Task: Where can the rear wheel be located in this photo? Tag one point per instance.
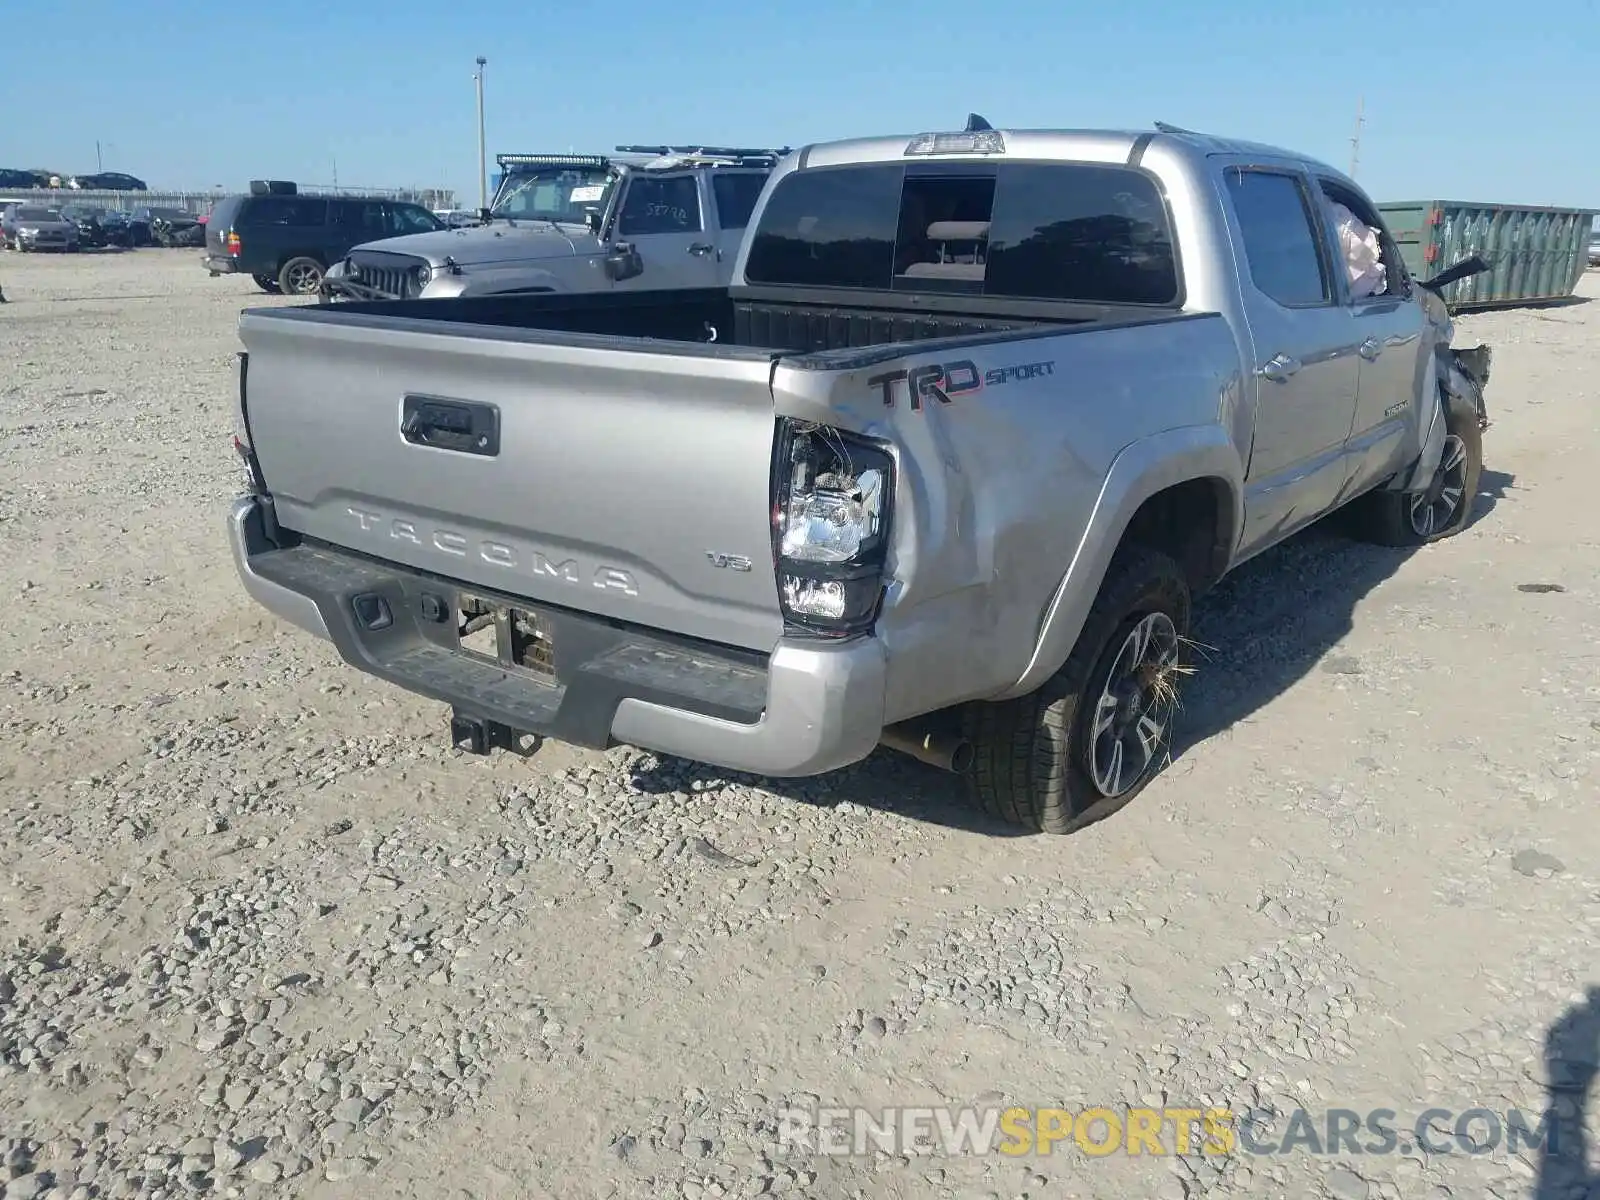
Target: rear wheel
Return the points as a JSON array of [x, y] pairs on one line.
[[300, 276], [1444, 506], [1091, 738]]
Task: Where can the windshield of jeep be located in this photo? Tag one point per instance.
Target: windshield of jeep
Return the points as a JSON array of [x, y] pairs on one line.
[[552, 193]]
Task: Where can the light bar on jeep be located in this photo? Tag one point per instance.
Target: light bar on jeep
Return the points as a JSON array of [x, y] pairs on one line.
[[552, 160]]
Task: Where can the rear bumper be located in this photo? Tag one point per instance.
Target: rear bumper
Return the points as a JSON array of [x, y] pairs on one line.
[[219, 264], [803, 710]]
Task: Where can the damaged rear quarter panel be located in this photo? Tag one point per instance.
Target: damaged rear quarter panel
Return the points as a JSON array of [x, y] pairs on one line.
[[996, 483]]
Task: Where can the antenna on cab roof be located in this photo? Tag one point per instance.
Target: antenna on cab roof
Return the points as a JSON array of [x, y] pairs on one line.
[[976, 124]]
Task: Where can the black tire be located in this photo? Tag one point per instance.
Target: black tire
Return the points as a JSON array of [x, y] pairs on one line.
[[266, 283], [1392, 518], [1033, 755], [300, 276]]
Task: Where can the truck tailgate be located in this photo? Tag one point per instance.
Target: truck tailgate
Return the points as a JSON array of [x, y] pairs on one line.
[[621, 479]]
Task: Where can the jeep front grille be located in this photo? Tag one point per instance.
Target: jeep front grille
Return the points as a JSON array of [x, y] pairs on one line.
[[391, 281]]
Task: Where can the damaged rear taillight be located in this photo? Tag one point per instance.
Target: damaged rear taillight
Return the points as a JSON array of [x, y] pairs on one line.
[[832, 500]]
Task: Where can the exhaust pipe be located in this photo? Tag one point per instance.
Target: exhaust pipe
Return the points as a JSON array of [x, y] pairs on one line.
[[927, 743]]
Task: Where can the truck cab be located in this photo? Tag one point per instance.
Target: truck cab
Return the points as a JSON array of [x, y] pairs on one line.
[[648, 218]]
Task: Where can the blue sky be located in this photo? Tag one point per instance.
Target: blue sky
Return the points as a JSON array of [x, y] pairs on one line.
[[1464, 100]]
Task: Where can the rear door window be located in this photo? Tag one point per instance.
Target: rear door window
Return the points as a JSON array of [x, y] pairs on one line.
[[1280, 239], [296, 212], [364, 220], [1039, 231], [736, 195]]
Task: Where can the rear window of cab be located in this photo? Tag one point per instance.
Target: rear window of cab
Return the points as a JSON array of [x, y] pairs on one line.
[[1039, 231]]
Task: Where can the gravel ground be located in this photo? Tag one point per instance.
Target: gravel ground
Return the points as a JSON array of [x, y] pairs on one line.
[[263, 933]]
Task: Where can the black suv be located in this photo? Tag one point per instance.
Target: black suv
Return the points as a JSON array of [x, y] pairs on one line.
[[285, 242]]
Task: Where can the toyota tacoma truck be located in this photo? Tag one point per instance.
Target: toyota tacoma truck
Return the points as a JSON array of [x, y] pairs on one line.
[[943, 468], [649, 218]]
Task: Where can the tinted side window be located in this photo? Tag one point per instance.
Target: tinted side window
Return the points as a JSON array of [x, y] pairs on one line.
[[670, 205], [736, 197], [295, 211], [1077, 232], [829, 227], [361, 218], [411, 218], [1280, 242]]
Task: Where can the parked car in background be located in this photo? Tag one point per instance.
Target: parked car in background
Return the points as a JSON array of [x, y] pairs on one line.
[[170, 227], [286, 242], [142, 223], [115, 223], [1594, 249], [648, 218], [35, 227], [87, 220], [109, 181]]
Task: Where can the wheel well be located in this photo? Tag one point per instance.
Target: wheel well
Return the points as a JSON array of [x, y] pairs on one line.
[[1190, 523]]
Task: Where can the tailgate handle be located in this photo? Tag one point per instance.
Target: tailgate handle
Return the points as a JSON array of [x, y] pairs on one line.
[[459, 425]]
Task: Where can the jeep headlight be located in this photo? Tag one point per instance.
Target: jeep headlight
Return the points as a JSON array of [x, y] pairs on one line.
[[423, 275]]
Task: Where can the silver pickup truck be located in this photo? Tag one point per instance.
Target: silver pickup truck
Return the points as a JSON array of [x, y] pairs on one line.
[[942, 470], [648, 218]]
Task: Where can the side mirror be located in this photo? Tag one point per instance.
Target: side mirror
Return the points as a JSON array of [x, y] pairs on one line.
[[591, 218], [1467, 267], [623, 263]]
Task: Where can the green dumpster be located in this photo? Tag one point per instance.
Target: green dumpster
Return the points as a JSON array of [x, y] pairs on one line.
[[1534, 253]]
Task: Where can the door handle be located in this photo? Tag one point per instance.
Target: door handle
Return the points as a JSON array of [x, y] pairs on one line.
[[1279, 368], [701, 248], [1370, 349]]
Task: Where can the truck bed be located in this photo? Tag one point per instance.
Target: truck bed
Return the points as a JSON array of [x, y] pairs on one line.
[[743, 319], [604, 453]]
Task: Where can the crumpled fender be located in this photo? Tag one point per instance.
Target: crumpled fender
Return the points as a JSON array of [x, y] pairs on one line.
[[1461, 395]]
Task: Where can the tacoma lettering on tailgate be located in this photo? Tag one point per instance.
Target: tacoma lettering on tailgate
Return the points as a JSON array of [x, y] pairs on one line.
[[497, 554]]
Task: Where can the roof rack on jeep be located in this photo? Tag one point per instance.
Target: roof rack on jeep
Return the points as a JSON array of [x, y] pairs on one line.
[[731, 155]]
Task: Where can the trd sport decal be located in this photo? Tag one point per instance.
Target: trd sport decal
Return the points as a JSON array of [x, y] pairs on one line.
[[945, 381]]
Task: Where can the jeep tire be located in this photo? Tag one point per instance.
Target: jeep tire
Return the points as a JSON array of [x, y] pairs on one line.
[[1091, 738]]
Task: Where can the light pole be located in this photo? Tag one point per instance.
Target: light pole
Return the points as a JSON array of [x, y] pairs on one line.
[[483, 160]]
